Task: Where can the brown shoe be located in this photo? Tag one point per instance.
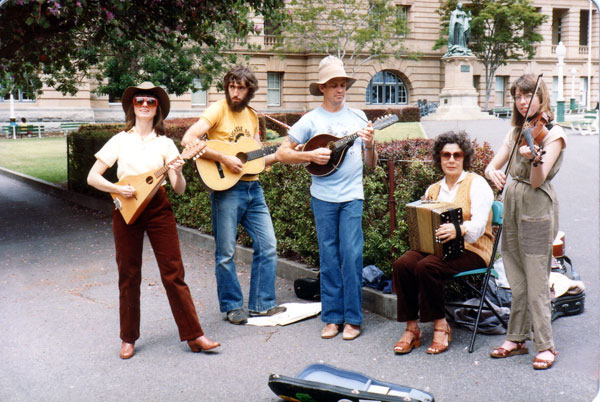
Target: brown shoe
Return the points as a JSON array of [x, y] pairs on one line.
[[202, 344], [330, 331], [543, 364], [436, 347], [351, 332], [501, 353], [127, 350], [403, 347]]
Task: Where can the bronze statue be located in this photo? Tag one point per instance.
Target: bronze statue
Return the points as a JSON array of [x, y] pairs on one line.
[[459, 32]]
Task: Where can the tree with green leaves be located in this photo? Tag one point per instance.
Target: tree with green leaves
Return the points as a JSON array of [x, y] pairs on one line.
[[501, 31], [356, 31], [61, 43]]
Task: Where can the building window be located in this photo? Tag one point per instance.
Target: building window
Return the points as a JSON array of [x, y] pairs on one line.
[[583, 27], [557, 25], [386, 88], [500, 87], [198, 97], [274, 89], [583, 90], [270, 32], [20, 96], [402, 21]]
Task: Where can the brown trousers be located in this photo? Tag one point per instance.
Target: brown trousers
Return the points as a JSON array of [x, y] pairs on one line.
[[158, 222], [419, 283]]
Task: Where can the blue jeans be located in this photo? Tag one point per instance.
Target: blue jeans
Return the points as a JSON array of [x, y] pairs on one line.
[[244, 204], [339, 230]]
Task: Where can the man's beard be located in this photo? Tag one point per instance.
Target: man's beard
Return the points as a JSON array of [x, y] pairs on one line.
[[238, 106]]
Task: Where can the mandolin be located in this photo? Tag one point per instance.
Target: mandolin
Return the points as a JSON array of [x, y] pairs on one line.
[[146, 185], [338, 146], [217, 177]]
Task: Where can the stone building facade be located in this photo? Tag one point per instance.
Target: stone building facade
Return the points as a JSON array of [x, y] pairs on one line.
[[284, 81]]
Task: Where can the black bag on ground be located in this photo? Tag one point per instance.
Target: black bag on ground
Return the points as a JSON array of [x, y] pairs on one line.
[[568, 303], [308, 288]]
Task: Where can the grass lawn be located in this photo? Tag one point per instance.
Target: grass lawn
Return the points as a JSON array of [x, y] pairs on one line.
[[400, 131], [44, 158]]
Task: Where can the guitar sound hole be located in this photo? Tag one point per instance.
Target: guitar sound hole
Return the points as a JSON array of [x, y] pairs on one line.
[[149, 180], [242, 156]]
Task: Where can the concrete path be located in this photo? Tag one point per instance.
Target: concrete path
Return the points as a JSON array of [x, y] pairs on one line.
[[59, 316]]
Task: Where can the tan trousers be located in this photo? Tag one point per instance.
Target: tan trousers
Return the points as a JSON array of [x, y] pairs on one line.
[[529, 228]]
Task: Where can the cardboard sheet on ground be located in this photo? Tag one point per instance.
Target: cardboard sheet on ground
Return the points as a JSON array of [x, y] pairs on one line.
[[294, 313]]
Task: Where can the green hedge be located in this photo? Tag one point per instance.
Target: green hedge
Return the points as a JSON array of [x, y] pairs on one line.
[[286, 189]]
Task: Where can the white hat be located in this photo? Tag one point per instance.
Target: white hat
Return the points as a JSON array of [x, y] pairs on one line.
[[329, 68]]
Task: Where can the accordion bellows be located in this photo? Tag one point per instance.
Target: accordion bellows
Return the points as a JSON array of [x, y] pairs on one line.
[[423, 218]]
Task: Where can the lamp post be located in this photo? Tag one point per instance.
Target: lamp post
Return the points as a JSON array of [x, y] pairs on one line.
[[573, 72], [561, 51]]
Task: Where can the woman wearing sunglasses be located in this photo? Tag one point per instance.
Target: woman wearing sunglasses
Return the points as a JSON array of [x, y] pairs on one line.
[[140, 148], [530, 223], [418, 277]]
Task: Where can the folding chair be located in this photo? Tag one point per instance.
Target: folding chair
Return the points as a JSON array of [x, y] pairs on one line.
[[497, 211]]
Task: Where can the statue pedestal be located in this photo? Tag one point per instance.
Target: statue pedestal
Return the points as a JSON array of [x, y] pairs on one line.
[[458, 100]]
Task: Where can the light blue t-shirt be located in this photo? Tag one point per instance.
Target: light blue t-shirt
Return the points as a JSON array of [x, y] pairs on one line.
[[345, 184]]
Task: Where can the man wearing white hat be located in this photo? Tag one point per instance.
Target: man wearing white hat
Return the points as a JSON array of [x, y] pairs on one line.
[[336, 198]]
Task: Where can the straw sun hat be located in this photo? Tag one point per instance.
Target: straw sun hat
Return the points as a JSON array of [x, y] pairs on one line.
[[158, 92], [330, 67]]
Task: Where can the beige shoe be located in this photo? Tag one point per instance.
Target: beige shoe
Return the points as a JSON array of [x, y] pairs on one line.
[[351, 332], [127, 350], [330, 331]]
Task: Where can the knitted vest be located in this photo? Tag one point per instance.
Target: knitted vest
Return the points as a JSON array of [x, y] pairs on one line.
[[482, 246]]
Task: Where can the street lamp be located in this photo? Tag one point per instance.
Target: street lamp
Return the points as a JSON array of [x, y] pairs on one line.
[[561, 51]]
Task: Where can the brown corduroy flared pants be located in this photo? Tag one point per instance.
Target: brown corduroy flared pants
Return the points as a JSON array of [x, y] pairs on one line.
[[158, 222]]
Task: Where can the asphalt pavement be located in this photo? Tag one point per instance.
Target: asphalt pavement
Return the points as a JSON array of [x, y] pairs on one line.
[[59, 329]]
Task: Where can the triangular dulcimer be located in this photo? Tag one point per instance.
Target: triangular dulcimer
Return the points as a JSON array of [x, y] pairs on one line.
[[147, 184]]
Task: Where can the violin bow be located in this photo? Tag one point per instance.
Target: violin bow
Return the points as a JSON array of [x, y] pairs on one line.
[[520, 135]]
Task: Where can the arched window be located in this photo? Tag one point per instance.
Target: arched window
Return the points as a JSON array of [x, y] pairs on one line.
[[386, 88]]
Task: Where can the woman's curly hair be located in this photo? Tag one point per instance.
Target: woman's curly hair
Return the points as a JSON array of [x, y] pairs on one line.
[[461, 139]]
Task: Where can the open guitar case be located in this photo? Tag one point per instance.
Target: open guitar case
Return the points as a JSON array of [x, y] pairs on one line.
[[324, 383]]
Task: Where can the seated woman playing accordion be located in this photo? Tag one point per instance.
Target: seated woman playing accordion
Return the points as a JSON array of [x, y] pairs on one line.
[[418, 277]]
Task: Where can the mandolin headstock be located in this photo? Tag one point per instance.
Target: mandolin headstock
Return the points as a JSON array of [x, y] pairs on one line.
[[385, 121]]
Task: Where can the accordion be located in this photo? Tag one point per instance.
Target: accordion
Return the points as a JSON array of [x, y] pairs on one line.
[[423, 218]]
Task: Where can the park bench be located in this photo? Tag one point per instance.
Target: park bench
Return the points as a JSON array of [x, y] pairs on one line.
[[72, 126], [589, 124], [28, 130], [501, 111], [576, 109]]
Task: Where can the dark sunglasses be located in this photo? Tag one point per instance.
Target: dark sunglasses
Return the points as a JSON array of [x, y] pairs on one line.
[[139, 101], [456, 155]]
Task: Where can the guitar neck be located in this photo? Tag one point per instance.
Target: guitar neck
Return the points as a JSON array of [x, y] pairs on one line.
[[377, 125], [343, 142], [259, 153], [160, 172]]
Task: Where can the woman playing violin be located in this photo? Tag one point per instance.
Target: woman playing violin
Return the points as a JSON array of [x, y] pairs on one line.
[[530, 219]]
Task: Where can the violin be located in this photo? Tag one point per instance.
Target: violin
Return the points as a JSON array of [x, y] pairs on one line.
[[534, 131]]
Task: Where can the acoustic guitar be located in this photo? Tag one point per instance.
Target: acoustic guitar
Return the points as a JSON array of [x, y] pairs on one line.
[[217, 177], [338, 146], [146, 185]]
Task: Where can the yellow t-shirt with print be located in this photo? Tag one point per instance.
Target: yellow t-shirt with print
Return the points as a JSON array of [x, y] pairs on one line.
[[227, 125]]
